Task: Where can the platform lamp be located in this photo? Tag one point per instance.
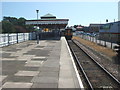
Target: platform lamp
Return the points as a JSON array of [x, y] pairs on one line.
[[105, 40], [37, 28], [106, 20]]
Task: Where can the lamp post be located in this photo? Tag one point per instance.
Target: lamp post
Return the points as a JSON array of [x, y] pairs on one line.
[[105, 39], [37, 28]]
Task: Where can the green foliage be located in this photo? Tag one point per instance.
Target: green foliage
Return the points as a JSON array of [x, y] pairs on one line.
[[21, 21], [75, 26], [13, 20], [7, 27], [30, 28], [14, 25]]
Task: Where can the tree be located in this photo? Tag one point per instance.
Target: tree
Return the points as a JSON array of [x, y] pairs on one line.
[[13, 20], [21, 21], [75, 26], [14, 25], [30, 28], [7, 27]]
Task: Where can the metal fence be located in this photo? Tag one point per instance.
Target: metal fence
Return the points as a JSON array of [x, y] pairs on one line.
[[96, 40], [8, 39]]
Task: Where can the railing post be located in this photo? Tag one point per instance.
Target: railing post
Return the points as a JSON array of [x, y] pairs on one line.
[[17, 37], [111, 45], [23, 36], [29, 36], [90, 38], [105, 43], [8, 39], [93, 38], [100, 39], [96, 39], [111, 41]]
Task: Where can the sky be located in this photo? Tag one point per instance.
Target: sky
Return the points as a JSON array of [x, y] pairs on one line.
[[78, 13], [119, 10]]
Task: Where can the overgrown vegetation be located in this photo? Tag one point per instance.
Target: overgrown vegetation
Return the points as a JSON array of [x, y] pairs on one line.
[[15, 25]]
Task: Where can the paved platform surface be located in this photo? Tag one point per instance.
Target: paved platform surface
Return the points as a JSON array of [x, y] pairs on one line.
[[44, 65]]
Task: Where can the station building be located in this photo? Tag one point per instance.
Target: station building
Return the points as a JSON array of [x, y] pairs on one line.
[[49, 25], [94, 28]]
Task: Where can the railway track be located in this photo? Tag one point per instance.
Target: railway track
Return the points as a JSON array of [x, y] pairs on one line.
[[95, 76]]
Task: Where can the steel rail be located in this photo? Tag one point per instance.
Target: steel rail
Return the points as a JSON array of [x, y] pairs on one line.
[[80, 66], [113, 77]]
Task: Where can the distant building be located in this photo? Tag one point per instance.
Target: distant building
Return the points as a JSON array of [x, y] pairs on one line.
[[48, 26], [86, 29], [110, 32], [94, 28], [79, 28], [83, 29], [49, 21]]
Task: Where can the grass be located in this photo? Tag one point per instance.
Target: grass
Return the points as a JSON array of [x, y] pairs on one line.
[[104, 50]]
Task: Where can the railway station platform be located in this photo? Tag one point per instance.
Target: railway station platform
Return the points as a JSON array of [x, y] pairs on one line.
[[48, 64]]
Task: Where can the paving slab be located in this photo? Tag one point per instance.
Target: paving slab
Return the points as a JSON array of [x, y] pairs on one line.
[[8, 59], [25, 57], [17, 85], [49, 69], [39, 58], [48, 74], [13, 78], [30, 68], [11, 67], [49, 64], [45, 85], [37, 52], [2, 77], [7, 55], [34, 63], [27, 73], [66, 83], [45, 79]]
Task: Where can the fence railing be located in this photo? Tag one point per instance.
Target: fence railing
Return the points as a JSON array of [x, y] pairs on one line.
[[96, 40], [8, 39]]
